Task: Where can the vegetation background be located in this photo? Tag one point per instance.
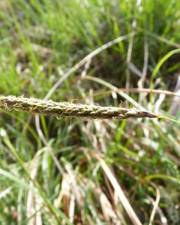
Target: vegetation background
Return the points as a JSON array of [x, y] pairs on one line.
[[82, 171]]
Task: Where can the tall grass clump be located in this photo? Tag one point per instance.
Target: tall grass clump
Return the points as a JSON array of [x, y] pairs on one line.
[[56, 170]]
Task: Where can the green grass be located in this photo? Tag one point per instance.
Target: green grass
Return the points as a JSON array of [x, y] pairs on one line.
[[53, 174]]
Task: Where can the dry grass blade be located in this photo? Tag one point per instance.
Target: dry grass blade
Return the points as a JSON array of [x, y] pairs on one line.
[[33, 200], [116, 90], [85, 60], [149, 91], [5, 192], [156, 203], [107, 209], [122, 198], [66, 197]]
